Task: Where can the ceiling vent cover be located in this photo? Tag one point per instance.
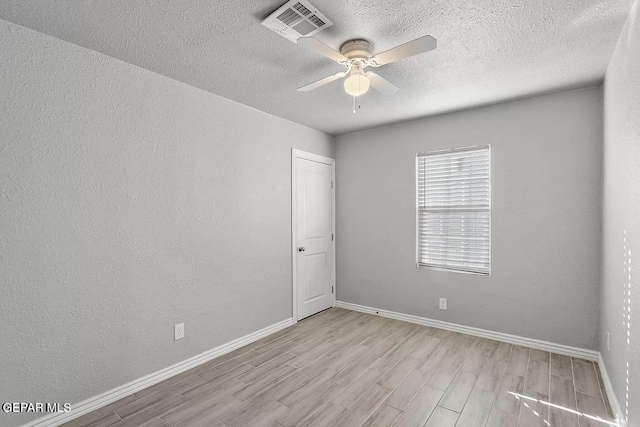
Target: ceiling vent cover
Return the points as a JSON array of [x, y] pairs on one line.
[[295, 19]]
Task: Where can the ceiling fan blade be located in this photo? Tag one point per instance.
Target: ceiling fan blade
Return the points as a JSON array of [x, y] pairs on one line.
[[321, 82], [381, 84], [414, 47], [318, 46]]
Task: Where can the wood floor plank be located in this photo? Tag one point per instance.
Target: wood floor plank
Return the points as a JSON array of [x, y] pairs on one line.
[[560, 365], [267, 381], [384, 416], [355, 324], [539, 355], [562, 392], [302, 392], [285, 339], [355, 369], [562, 418], [389, 330], [420, 408], [397, 354], [474, 359], [325, 417], [220, 376], [254, 413], [442, 417], [497, 418], [342, 361], [306, 407], [91, 417], [274, 354], [443, 333], [310, 372], [210, 373], [278, 334], [477, 409], [518, 361], [213, 390], [501, 351], [163, 385], [506, 401], [446, 372], [394, 376], [158, 397], [458, 391], [431, 363], [425, 347], [200, 413], [537, 379], [585, 378], [157, 422], [311, 344], [407, 389], [329, 349], [491, 375], [533, 413], [593, 407], [363, 408], [356, 389], [257, 373], [154, 411], [107, 420]]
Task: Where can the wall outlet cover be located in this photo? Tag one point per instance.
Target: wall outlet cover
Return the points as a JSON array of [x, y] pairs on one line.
[[179, 331], [443, 303]]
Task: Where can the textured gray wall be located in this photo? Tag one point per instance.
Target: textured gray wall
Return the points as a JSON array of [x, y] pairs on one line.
[[546, 168], [130, 202], [621, 221]]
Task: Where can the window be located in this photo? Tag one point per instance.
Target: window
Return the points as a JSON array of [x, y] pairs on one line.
[[454, 209]]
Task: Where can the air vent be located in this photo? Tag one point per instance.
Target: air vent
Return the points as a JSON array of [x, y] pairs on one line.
[[288, 17], [300, 8], [295, 19], [319, 22]]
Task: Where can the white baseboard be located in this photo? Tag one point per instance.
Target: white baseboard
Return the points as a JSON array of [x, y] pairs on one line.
[[117, 393], [608, 387], [498, 336]]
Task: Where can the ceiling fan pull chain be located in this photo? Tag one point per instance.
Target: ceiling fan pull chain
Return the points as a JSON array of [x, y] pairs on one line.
[[354, 105]]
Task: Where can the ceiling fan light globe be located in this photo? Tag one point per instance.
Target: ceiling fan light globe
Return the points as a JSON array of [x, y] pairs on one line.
[[356, 85]]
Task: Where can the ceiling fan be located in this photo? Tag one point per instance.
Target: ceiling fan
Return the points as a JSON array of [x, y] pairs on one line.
[[356, 56]]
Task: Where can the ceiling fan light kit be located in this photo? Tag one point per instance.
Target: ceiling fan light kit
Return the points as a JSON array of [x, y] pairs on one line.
[[357, 83]]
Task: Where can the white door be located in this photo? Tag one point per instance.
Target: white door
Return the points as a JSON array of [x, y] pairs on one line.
[[314, 263]]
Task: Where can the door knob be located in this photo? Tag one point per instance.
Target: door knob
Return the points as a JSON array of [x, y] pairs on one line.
[[302, 249]]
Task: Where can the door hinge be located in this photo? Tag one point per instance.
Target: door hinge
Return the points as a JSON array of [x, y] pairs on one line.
[[332, 289], [332, 237], [331, 184]]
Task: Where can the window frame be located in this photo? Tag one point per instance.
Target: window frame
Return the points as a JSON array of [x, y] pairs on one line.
[[455, 269]]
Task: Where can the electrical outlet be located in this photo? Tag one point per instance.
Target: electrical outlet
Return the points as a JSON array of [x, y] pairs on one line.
[[179, 331], [443, 303], [608, 341]]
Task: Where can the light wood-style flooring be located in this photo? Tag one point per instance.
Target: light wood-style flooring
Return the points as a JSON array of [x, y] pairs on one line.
[[344, 368]]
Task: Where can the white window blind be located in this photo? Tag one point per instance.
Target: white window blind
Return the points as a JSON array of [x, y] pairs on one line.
[[454, 209]]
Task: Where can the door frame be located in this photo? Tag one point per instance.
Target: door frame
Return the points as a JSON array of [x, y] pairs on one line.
[[295, 155]]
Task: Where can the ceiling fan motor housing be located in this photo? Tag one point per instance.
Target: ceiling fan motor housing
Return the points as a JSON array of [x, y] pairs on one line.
[[356, 49]]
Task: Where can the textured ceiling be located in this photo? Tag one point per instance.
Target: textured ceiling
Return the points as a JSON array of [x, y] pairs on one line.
[[489, 50]]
